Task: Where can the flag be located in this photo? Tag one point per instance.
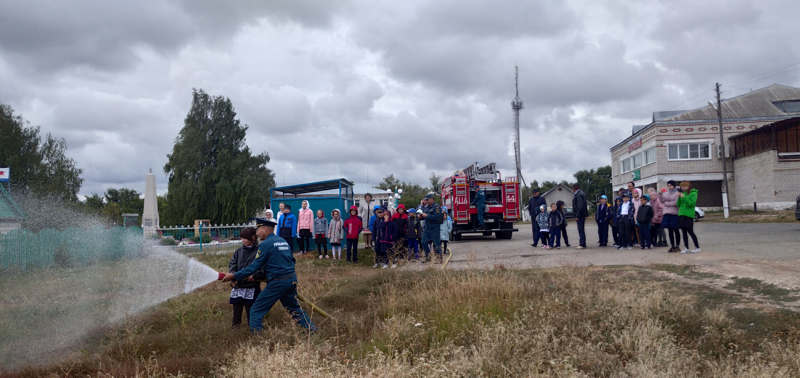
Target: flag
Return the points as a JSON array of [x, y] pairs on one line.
[[4, 172]]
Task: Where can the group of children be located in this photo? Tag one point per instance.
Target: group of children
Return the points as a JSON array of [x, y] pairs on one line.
[[631, 222], [551, 226], [396, 236], [634, 222], [642, 220]]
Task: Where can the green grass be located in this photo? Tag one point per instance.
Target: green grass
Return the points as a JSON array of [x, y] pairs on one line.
[[758, 287], [685, 271]]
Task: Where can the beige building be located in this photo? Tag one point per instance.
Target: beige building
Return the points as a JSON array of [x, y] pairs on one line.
[[685, 145]]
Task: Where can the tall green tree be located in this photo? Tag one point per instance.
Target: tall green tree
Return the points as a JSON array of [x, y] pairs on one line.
[[412, 193], [595, 182], [39, 166], [212, 173], [435, 180]]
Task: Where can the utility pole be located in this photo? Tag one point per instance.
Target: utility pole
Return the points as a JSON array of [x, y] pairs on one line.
[[516, 106], [723, 149]]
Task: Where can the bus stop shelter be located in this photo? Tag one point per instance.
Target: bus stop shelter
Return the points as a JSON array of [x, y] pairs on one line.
[[324, 195]]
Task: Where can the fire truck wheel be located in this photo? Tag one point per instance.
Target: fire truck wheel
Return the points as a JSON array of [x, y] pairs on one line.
[[504, 234]]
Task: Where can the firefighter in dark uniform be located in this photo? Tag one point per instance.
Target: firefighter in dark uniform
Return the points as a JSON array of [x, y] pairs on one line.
[[276, 259], [432, 214], [480, 205]]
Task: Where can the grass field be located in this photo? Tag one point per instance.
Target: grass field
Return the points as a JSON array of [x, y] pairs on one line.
[[595, 321]]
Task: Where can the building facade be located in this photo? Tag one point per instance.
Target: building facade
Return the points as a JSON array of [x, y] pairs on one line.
[[685, 145]]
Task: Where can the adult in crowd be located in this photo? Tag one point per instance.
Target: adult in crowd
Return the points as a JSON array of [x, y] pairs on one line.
[[534, 203], [244, 293], [275, 258], [480, 206], [432, 214], [669, 198], [635, 200], [581, 210], [365, 209], [631, 187], [656, 232], [687, 198]]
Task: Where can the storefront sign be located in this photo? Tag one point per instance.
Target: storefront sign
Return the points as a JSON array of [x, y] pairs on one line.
[[635, 144]]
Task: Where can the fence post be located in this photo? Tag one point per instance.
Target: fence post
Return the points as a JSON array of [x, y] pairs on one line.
[[201, 236]]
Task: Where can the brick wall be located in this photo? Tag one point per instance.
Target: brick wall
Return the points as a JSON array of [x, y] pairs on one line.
[[777, 183]]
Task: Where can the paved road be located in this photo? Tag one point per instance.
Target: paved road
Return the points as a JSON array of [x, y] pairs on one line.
[[755, 250]]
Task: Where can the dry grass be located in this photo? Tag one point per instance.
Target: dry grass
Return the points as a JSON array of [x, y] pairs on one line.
[[546, 322], [559, 322]]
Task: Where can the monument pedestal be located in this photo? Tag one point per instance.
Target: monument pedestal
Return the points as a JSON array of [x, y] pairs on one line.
[[150, 215]]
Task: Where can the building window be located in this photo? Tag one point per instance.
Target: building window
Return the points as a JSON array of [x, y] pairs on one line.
[[626, 165], [690, 151], [791, 106], [637, 161], [357, 203], [650, 156], [384, 202]]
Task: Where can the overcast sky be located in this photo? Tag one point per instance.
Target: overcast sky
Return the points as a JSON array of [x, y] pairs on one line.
[[362, 89]]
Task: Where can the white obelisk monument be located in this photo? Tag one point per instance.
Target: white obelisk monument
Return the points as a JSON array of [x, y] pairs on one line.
[[150, 215]]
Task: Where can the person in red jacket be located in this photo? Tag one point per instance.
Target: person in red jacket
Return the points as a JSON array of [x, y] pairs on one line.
[[352, 227]]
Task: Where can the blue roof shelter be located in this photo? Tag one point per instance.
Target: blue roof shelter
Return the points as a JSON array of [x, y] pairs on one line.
[[325, 195]]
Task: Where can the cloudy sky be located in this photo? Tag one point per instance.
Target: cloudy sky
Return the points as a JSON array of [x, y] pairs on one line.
[[361, 89]]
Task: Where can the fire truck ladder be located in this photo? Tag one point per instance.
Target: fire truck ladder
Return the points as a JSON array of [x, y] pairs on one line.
[[461, 211], [509, 189]]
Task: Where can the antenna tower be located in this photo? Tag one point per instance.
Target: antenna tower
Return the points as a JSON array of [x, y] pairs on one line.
[[516, 106]]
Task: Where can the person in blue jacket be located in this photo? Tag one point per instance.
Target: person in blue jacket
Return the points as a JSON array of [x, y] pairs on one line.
[[275, 258], [287, 228], [603, 217], [432, 214], [480, 205]]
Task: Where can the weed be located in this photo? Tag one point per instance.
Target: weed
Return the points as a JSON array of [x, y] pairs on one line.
[[762, 288]]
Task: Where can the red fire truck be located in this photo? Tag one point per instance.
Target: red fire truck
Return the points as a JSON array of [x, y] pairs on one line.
[[502, 201]]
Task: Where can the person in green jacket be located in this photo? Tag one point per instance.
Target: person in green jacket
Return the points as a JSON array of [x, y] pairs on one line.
[[687, 198]]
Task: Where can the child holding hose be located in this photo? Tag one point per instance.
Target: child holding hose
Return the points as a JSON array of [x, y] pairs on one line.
[[244, 293]]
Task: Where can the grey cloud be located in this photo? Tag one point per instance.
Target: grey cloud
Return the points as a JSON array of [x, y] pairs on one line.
[[718, 41], [364, 89], [48, 36]]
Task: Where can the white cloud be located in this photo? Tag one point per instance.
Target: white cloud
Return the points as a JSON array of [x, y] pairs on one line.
[[361, 89]]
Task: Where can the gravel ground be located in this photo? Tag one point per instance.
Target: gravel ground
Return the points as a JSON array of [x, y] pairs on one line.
[[766, 251]]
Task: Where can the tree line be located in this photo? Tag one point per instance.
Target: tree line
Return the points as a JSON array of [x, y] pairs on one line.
[[212, 174]]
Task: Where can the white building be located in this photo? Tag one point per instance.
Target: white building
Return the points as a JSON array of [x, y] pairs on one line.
[[685, 145]]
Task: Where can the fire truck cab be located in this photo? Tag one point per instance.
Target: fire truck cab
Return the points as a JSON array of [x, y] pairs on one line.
[[502, 201]]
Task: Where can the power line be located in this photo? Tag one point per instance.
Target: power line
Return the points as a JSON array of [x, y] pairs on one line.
[[796, 65]]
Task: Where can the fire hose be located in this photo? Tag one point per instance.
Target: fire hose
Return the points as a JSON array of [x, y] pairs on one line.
[[299, 296], [449, 256]]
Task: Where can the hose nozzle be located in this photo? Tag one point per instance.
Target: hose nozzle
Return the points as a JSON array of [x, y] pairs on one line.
[[221, 276]]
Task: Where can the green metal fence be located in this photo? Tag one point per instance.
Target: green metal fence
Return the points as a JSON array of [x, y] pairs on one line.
[[22, 249], [200, 238]]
